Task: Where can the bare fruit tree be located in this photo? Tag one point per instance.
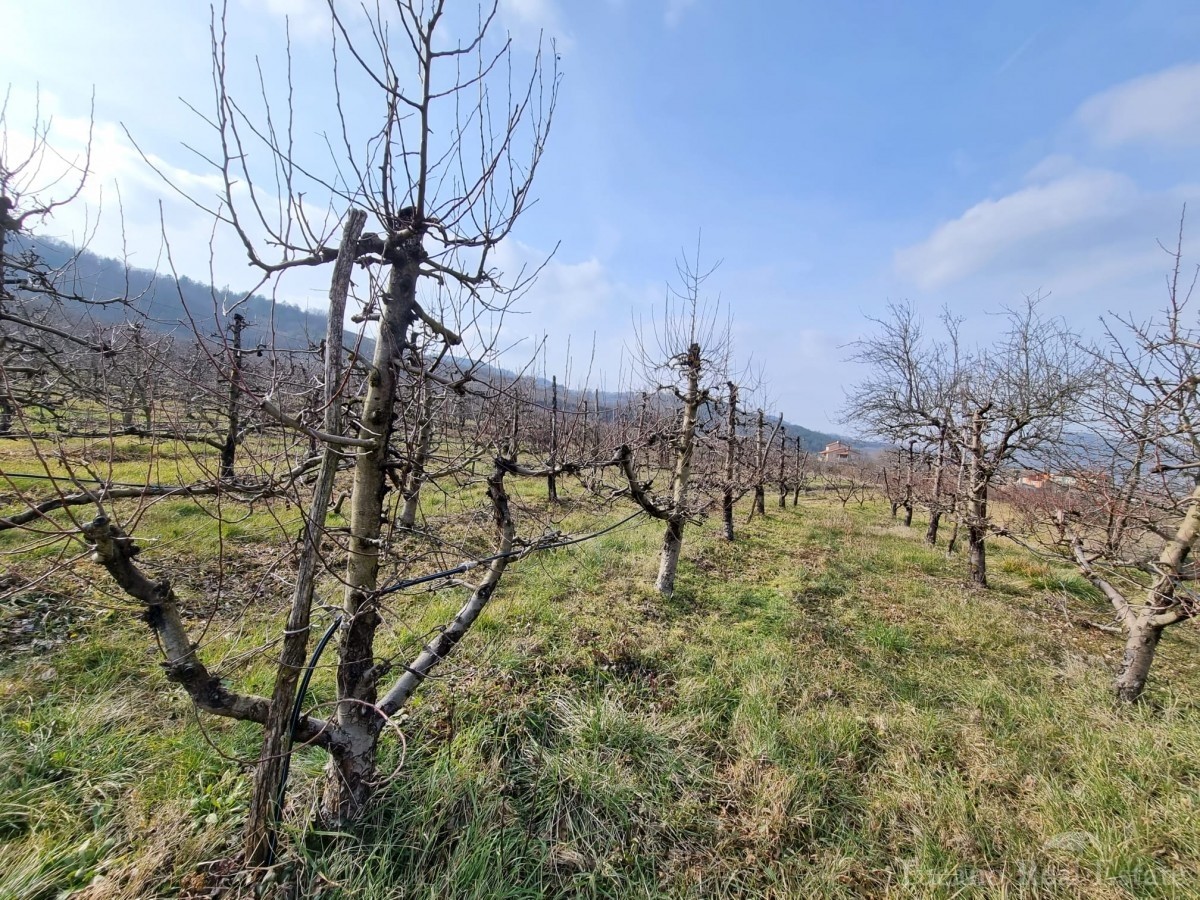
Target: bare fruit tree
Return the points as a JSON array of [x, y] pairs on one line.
[[685, 353], [407, 209], [52, 349], [985, 407], [1127, 506], [1016, 398], [911, 399]]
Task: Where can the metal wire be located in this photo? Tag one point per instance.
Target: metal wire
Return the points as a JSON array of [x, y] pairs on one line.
[[524, 551]]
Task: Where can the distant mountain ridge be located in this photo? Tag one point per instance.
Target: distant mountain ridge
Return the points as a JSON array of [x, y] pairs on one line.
[[171, 305], [168, 304]]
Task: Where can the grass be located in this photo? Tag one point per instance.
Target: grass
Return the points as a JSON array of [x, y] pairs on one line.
[[823, 710]]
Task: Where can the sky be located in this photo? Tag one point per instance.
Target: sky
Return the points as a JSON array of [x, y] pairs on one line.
[[833, 157]]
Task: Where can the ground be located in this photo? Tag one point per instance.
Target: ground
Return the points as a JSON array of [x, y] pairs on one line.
[[824, 709]]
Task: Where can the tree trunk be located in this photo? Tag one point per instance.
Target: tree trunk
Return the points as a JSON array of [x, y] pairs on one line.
[[669, 561], [931, 533], [682, 473], [229, 447], [348, 777], [908, 489], [448, 637], [783, 487], [956, 506], [976, 556], [514, 434], [730, 459], [416, 468], [977, 514], [596, 440], [273, 758], [760, 474], [1140, 646], [799, 472], [1162, 607], [935, 502]]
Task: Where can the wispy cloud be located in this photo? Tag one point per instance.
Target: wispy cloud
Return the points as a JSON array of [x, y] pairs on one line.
[[1017, 224], [1162, 108], [1071, 226], [580, 298], [125, 207]]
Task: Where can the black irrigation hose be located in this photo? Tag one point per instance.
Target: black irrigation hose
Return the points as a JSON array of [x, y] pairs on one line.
[[297, 707], [74, 479]]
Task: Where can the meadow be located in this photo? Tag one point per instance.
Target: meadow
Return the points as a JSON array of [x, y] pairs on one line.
[[823, 709]]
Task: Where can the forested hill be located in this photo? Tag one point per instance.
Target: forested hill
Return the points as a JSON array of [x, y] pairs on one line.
[[165, 302], [183, 306]]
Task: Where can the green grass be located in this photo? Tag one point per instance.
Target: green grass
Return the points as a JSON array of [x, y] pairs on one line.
[[823, 709]]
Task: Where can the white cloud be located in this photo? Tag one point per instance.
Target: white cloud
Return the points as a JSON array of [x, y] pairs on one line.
[[1163, 108], [124, 205], [577, 305], [1026, 223], [1070, 228]]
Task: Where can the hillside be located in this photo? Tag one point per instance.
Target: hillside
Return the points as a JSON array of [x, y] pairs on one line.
[[166, 302], [822, 710]]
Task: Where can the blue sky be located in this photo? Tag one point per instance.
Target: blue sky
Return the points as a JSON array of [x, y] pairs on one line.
[[836, 156]]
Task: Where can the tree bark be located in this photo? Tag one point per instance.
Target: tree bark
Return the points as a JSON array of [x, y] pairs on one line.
[[931, 533], [669, 559], [348, 776], [976, 554], [799, 463], [730, 459], [449, 637], [783, 487], [264, 815], [977, 484], [229, 447], [908, 489], [115, 550], [935, 502], [673, 536], [552, 478], [760, 503], [1141, 644], [416, 467]]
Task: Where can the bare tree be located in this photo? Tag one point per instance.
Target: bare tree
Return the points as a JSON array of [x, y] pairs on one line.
[[1015, 398], [987, 406], [850, 480], [1126, 505], [732, 444], [911, 397], [689, 345], [433, 186]]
